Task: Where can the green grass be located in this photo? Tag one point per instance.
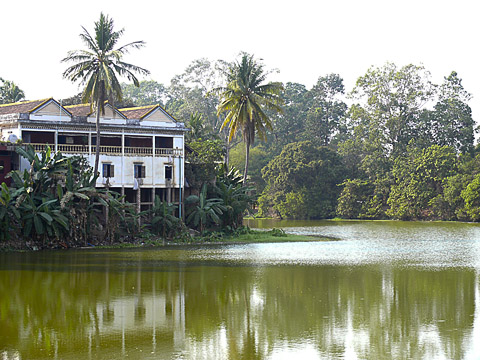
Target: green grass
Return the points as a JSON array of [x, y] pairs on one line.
[[267, 237], [244, 236], [241, 236]]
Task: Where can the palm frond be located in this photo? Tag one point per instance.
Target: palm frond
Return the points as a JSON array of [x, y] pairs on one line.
[[135, 45], [89, 41]]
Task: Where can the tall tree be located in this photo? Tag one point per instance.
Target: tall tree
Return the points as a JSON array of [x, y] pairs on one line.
[[453, 124], [149, 92], [245, 100], [391, 101], [419, 177], [10, 92], [324, 118], [290, 124], [302, 182], [98, 66], [189, 91]]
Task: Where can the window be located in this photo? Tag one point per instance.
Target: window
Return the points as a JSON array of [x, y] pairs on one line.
[[139, 171], [108, 170], [164, 142], [168, 172]]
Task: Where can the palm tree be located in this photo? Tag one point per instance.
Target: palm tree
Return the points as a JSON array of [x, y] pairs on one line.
[[245, 99], [10, 92], [98, 66]]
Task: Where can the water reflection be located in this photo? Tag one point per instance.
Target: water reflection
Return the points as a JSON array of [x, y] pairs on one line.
[[170, 304], [370, 295]]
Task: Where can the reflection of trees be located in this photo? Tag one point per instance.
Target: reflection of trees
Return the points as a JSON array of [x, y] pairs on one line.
[[404, 313], [106, 303]]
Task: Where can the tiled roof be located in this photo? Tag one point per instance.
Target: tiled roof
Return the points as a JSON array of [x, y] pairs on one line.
[[137, 112], [142, 111], [79, 110], [22, 107]]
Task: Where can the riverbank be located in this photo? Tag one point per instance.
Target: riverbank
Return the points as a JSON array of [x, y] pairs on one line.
[[244, 236], [248, 237]]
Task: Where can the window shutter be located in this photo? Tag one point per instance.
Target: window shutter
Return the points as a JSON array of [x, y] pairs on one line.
[[139, 171], [112, 171], [168, 172]]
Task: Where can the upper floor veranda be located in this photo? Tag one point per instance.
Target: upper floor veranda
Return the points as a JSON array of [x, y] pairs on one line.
[[139, 131]]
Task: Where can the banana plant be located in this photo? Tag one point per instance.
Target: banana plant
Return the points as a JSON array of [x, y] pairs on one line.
[[236, 200], [76, 194], [236, 197], [45, 194], [163, 220], [9, 214], [46, 169], [204, 209], [41, 218]]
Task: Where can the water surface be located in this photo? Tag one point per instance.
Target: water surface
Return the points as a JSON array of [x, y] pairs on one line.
[[379, 290]]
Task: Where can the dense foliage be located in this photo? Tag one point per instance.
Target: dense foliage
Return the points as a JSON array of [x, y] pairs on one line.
[[395, 146], [10, 92], [302, 182], [403, 148], [55, 204]]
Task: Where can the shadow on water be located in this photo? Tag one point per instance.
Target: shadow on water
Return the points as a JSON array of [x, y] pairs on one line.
[[114, 260]]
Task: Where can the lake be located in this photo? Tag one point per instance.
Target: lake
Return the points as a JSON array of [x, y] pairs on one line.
[[376, 290]]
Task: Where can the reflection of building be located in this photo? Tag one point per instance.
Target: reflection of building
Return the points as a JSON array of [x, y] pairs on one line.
[[140, 147]]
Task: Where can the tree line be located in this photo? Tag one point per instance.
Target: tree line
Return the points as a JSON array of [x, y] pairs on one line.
[[395, 146]]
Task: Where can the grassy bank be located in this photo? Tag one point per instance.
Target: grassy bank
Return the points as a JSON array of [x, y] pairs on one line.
[[274, 235], [242, 236], [246, 236]]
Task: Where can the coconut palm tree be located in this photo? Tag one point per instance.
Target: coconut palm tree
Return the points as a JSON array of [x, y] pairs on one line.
[[98, 66], [245, 99], [10, 92]]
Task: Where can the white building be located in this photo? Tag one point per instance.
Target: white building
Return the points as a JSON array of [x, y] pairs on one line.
[[141, 147]]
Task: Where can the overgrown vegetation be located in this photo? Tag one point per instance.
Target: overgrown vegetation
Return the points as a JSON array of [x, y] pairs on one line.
[[54, 204], [401, 147]]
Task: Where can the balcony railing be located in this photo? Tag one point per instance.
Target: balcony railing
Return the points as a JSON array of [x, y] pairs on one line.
[[71, 149], [130, 150], [109, 150], [172, 152]]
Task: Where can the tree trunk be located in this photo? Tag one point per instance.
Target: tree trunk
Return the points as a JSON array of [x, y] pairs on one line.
[[164, 223], [139, 205], [227, 153], [97, 147], [247, 156], [107, 215]]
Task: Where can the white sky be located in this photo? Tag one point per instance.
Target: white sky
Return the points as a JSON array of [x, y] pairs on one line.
[[303, 39]]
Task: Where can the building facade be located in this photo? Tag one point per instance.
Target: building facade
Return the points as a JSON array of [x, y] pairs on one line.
[[142, 149]]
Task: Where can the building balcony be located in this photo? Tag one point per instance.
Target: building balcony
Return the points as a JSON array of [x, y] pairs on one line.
[[109, 150]]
